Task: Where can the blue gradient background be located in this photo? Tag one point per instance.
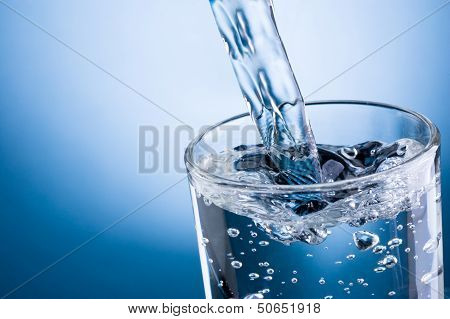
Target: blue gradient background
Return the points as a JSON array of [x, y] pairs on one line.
[[69, 132]]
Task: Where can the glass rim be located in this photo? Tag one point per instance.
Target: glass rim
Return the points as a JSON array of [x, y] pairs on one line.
[[192, 167]]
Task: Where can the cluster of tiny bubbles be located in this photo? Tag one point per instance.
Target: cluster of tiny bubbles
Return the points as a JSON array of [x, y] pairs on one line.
[[391, 293], [268, 278], [233, 232], [294, 280], [263, 243], [253, 234], [322, 281], [400, 227], [379, 249], [263, 264], [270, 271], [389, 261], [328, 297], [205, 241], [253, 276], [432, 244], [236, 264], [350, 257], [254, 296], [379, 269], [207, 201], [340, 282], [365, 240], [394, 242], [360, 281]]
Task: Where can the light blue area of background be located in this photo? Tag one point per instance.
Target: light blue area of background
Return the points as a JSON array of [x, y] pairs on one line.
[[69, 131]]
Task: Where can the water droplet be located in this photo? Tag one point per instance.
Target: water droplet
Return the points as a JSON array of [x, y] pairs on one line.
[[268, 278], [236, 264], [253, 234], [322, 281], [391, 293], [360, 281], [389, 261], [263, 243], [233, 232], [270, 271], [328, 297], [407, 250], [340, 282], [253, 276], [379, 249], [294, 280], [379, 269], [365, 240], [432, 244], [430, 276], [350, 257], [254, 296], [394, 242], [207, 201], [400, 227]]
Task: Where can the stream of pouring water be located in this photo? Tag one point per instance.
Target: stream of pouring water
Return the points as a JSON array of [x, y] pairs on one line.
[[268, 84]]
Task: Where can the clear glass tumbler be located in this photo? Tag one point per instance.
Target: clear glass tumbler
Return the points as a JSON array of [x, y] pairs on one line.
[[378, 236]]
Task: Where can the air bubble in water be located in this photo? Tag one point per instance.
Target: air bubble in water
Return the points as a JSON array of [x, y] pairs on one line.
[[254, 250], [220, 284], [378, 249], [264, 291], [391, 293], [365, 284], [309, 255], [263, 243], [207, 201], [340, 282], [350, 257], [270, 271], [432, 244], [294, 280], [253, 276], [253, 234], [400, 227], [268, 278], [294, 272], [407, 250], [322, 281], [394, 242], [205, 241], [328, 297], [360, 281], [430, 276], [236, 264], [389, 261], [233, 232], [365, 240], [210, 260], [254, 296], [379, 269]]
